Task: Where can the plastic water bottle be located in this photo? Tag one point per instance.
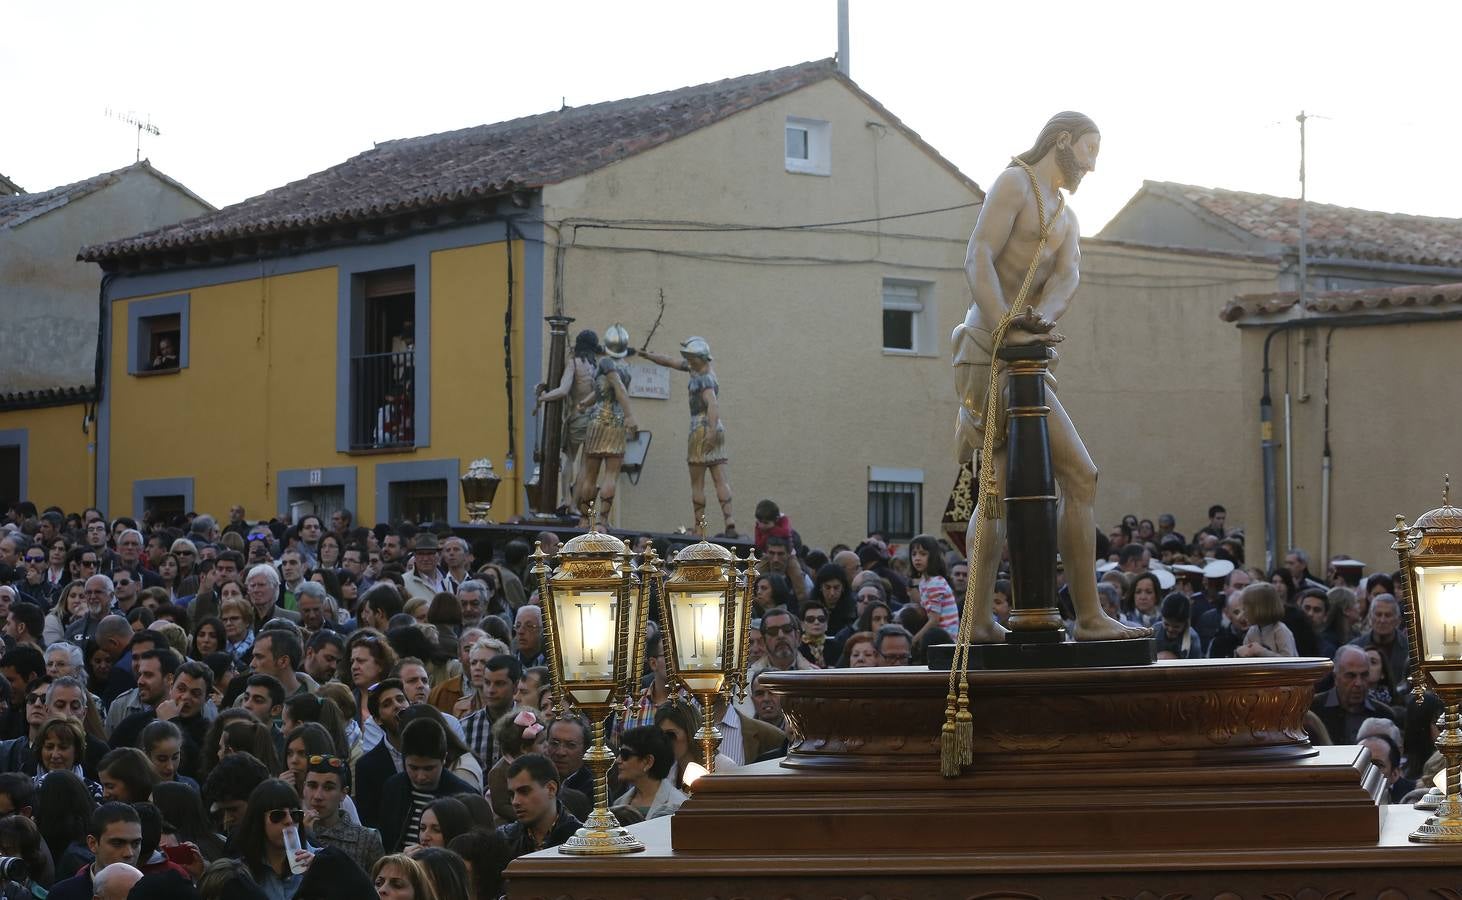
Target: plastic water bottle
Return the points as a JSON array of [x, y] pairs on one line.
[[292, 846]]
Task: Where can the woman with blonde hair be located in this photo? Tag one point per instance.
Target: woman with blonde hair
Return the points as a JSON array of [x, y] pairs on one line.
[[69, 605], [1267, 634], [399, 877]]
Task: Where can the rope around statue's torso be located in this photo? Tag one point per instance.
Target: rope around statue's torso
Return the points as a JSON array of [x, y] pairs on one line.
[[956, 739]]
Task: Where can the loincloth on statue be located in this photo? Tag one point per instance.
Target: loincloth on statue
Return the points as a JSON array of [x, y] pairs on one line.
[[605, 436], [576, 427], [704, 446], [973, 359]]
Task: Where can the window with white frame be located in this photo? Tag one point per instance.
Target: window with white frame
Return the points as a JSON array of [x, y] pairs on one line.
[[808, 146], [908, 316], [895, 502]]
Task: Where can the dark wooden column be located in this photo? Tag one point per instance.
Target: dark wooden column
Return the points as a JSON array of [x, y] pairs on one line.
[[543, 497], [1030, 502]]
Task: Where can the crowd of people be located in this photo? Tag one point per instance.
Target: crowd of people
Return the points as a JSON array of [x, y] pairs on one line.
[[261, 709]]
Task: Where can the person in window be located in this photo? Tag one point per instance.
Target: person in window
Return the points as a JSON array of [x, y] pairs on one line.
[[166, 356]]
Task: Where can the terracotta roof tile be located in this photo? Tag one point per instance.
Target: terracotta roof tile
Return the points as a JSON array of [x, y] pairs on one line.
[[1332, 230], [482, 161], [1374, 300]]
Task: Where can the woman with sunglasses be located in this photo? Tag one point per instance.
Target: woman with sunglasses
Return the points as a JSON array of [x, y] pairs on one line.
[[645, 761], [259, 841]]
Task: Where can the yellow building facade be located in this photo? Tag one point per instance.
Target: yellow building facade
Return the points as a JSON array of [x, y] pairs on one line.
[[45, 450], [363, 377]]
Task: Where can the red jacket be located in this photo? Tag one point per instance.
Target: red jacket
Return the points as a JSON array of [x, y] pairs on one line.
[[781, 528]]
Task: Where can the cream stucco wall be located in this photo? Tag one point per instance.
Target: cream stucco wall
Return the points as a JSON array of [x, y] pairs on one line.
[[50, 299], [1394, 430], [1151, 377]]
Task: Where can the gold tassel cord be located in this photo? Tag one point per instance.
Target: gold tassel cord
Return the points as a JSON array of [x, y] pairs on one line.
[[956, 739]]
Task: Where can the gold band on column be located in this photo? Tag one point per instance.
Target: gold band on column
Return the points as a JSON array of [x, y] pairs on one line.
[[1042, 619]]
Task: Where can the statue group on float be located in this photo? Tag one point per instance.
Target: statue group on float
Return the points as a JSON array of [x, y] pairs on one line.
[[598, 424]]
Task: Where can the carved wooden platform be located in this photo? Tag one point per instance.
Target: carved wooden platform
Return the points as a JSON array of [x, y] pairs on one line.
[[1389, 869], [1182, 779]]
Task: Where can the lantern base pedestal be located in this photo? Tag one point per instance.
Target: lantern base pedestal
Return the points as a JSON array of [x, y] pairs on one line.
[[601, 836], [1443, 826]]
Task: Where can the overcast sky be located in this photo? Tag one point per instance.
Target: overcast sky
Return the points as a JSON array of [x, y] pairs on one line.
[[251, 96]]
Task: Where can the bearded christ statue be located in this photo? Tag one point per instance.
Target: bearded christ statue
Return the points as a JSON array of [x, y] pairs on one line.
[[1025, 203]]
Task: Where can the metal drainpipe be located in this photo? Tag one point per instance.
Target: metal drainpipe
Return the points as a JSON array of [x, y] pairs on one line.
[[1326, 459], [1266, 406]]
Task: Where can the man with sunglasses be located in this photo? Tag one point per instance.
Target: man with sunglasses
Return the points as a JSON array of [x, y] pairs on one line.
[[327, 783], [35, 586], [17, 754], [781, 632]]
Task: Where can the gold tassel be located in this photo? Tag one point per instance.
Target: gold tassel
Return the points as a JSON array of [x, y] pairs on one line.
[[948, 750], [964, 728]]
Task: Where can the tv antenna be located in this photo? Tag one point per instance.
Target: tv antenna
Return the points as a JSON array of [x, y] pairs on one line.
[[141, 124]]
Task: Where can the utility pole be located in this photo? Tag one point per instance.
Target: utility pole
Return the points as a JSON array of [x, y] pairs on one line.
[[1304, 257], [843, 38]]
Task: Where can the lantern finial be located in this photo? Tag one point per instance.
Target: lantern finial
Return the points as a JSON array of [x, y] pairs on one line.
[[1446, 490]]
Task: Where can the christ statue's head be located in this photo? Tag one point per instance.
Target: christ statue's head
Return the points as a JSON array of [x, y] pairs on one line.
[[1076, 142]]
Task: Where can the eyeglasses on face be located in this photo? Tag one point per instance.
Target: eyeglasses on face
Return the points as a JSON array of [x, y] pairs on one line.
[[36, 699], [775, 630], [627, 753], [89, 563], [278, 815], [557, 744], [814, 620]]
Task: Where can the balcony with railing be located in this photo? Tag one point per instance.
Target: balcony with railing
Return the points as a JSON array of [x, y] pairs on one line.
[[383, 400]]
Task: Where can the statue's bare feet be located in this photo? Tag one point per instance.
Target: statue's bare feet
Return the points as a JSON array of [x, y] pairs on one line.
[[988, 631], [1103, 627]]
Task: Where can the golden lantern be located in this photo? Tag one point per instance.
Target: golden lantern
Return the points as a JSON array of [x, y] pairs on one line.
[[479, 487], [706, 603], [595, 612], [1430, 556]]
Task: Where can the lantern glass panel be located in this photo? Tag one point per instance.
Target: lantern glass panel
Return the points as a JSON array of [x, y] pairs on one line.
[[584, 625], [1440, 590], [699, 630]]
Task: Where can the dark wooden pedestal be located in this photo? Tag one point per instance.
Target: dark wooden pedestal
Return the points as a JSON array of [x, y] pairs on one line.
[[1175, 780]]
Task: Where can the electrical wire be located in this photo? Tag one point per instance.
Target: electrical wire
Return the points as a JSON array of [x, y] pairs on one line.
[[654, 225]]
